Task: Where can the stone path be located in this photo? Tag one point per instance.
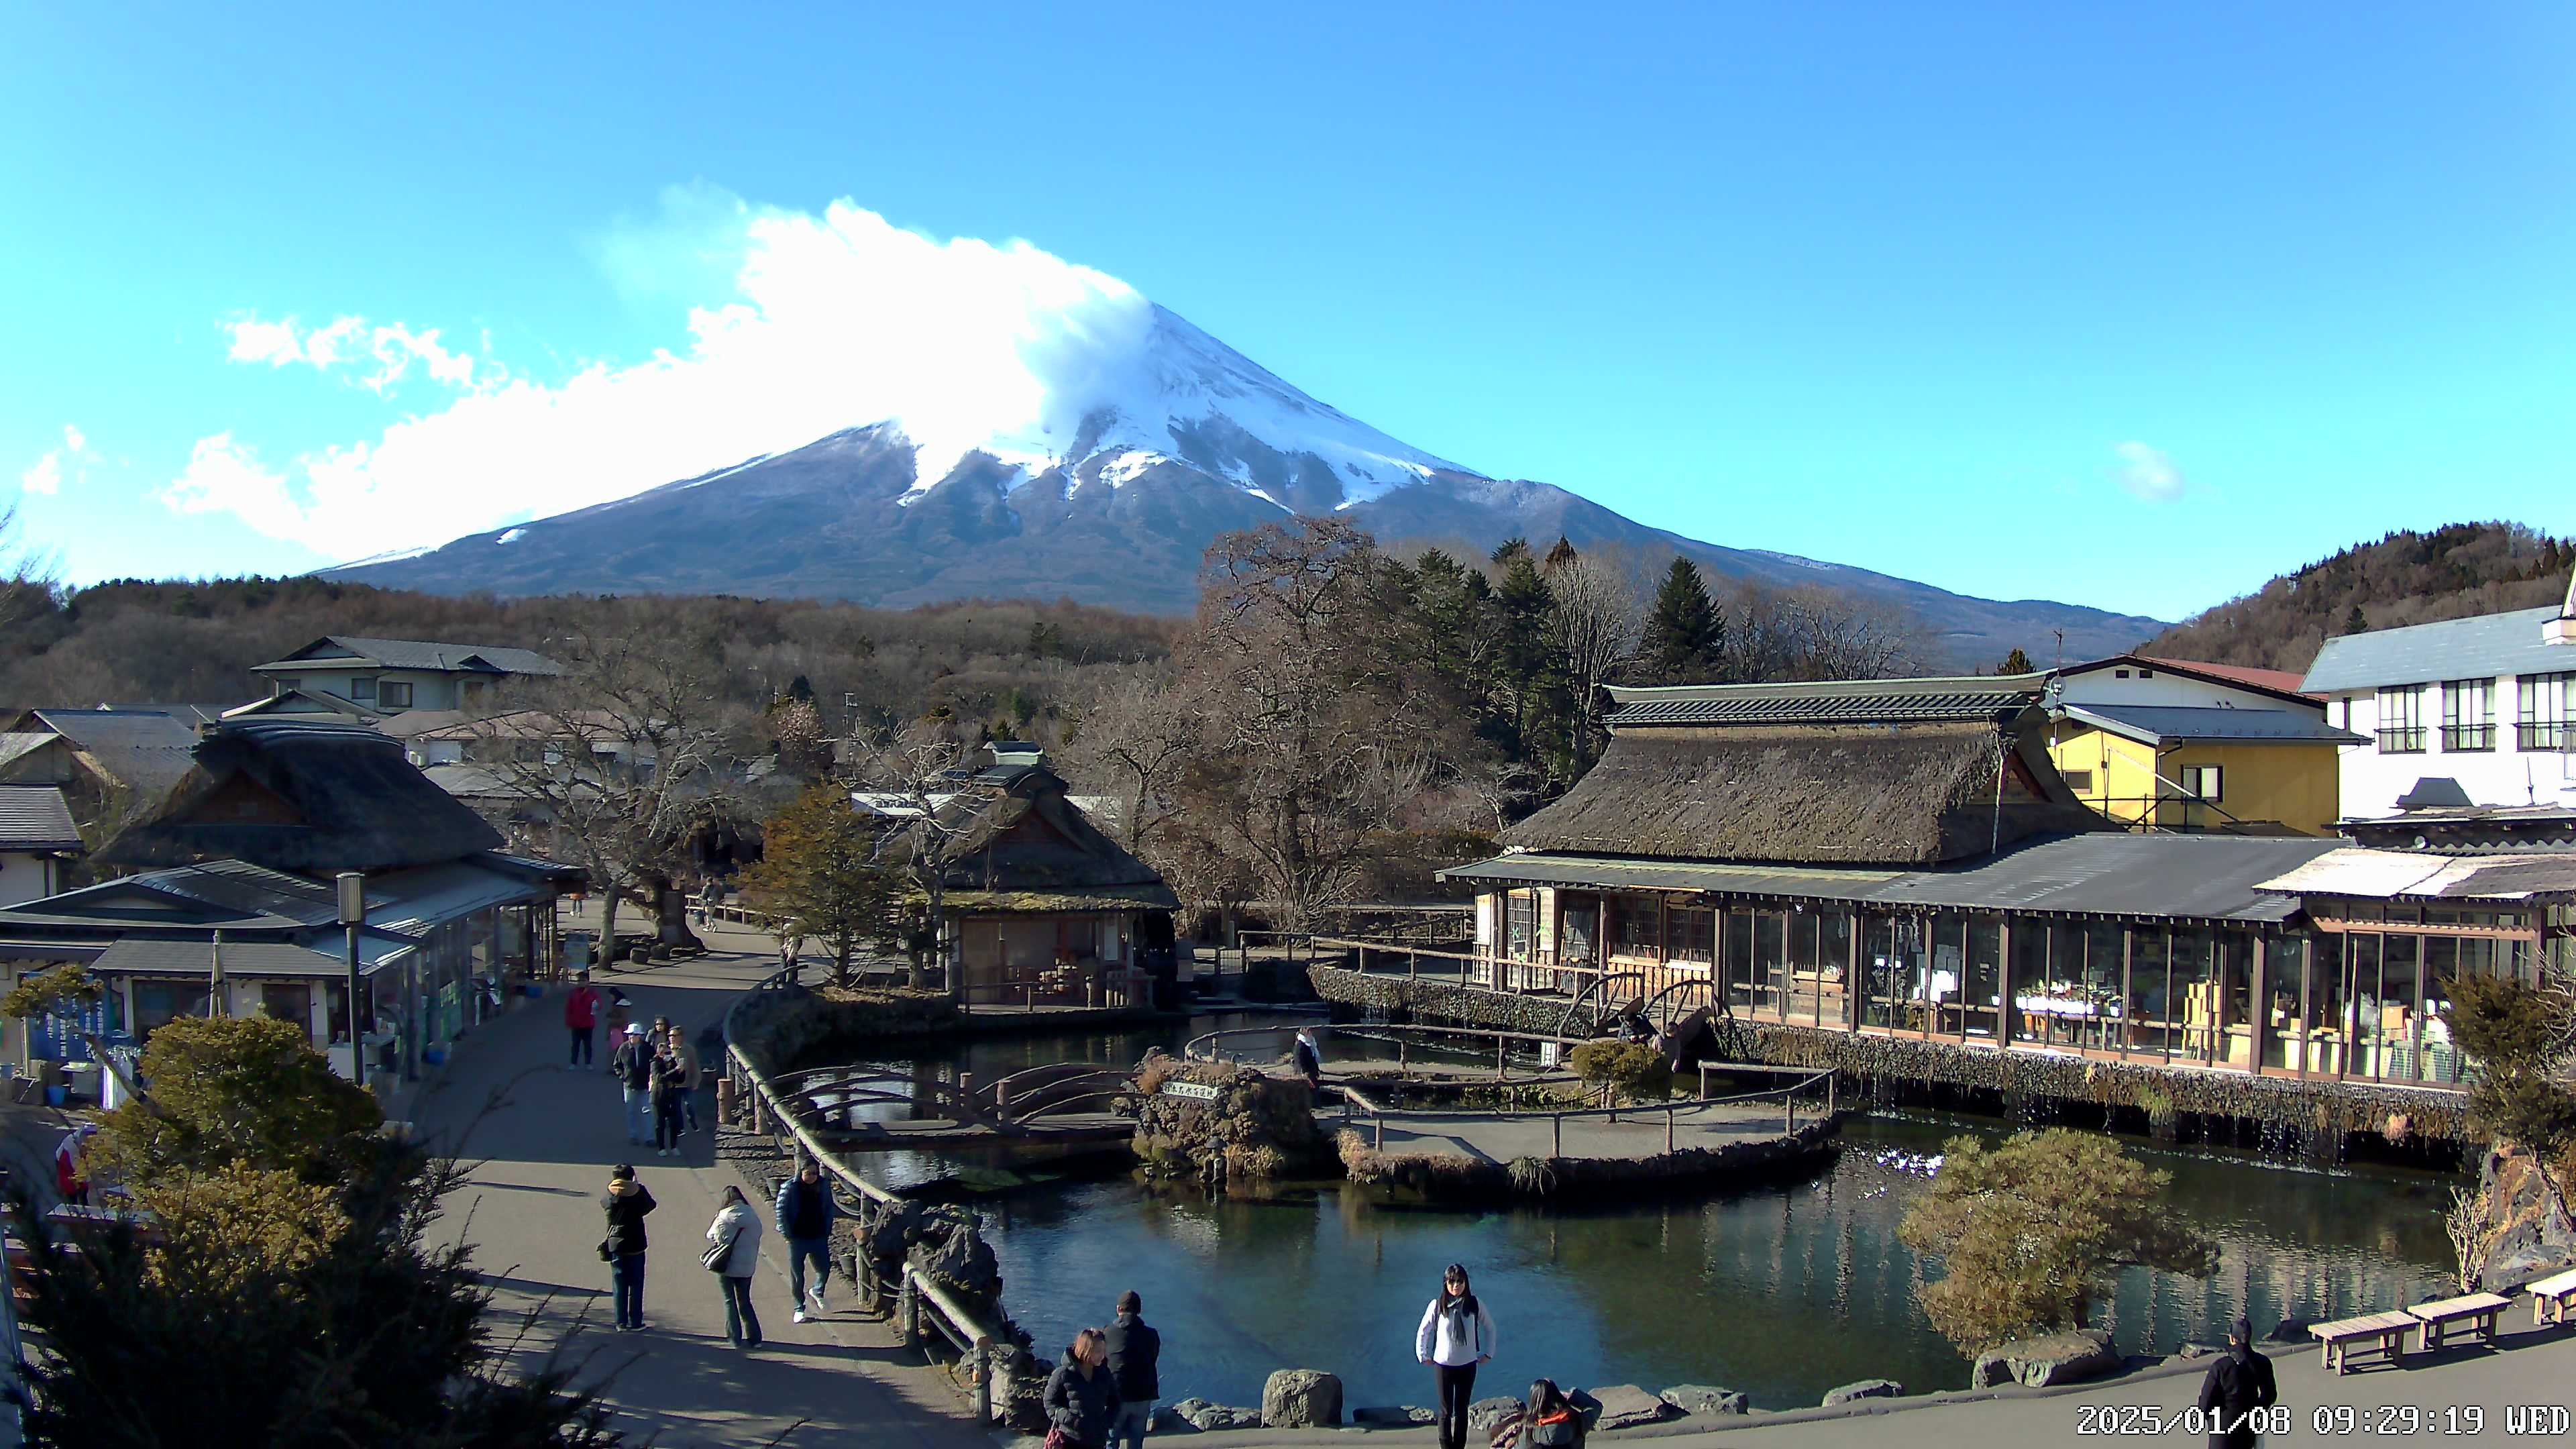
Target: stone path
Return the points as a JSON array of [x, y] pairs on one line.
[[542, 1139]]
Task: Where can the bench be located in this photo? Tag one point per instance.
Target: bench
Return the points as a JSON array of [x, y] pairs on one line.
[[2551, 1297], [2379, 1333], [2474, 1313]]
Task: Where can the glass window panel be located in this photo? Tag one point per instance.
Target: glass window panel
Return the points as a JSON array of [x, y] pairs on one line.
[[2150, 1025], [1883, 970], [1739, 960], [1833, 967], [1983, 993], [2285, 969], [2233, 962], [1767, 947], [2435, 1060], [2030, 979], [1694, 934], [2368, 1013], [2195, 994]]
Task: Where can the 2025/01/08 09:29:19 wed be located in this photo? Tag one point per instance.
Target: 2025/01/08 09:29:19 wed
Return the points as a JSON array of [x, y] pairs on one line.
[[2330, 1420]]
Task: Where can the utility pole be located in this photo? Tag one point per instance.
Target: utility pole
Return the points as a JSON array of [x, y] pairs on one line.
[[353, 917]]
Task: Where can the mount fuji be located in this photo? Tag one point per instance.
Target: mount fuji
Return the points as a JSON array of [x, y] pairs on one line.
[[1180, 438]]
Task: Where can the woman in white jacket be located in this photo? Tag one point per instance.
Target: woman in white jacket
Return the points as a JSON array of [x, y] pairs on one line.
[[1456, 1335], [737, 1227]]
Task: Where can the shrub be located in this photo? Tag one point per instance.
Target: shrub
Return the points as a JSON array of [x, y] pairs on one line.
[[1632, 1069]]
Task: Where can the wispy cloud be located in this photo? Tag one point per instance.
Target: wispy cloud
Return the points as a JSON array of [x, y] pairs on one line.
[[70, 461], [2148, 473], [799, 325]]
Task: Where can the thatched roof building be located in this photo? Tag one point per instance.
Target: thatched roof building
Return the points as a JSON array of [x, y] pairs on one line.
[[1021, 844], [309, 797], [1908, 772]]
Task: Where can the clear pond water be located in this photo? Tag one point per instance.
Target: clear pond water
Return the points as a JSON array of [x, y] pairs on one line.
[[1782, 1291]]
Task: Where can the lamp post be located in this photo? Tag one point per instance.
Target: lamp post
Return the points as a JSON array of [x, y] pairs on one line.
[[353, 915]]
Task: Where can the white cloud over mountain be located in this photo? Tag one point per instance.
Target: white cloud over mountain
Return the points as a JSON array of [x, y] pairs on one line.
[[828, 321], [45, 476], [2148, 473]]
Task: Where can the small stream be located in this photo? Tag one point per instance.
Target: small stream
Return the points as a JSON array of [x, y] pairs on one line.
[[1782, 1291]]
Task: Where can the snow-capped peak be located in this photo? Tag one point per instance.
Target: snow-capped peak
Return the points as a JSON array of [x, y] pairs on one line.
[[1180, 396]]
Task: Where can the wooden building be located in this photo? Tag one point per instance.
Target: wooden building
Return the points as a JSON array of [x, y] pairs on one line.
[[1903, 859]]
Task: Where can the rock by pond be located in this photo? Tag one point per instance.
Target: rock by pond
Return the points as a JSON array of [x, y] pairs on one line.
[[1865, 1389], [2051, 1358], [1302, 1399], [1620, 1406], [1703, 1400], [1201, 1415], [1486, 1415]]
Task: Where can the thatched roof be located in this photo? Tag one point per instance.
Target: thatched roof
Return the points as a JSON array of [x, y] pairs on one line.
[[1022, 845], [299, 796], [1903, 794]]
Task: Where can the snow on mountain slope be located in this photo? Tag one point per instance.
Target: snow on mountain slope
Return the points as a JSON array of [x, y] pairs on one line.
[[1183, 397]]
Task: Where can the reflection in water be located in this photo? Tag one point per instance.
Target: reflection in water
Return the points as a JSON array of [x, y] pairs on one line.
[[1783, 1292]]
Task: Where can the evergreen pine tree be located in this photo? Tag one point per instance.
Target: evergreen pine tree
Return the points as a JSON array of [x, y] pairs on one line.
[[1684, 630], [2014, 663], [1563, 552], [2355, 622]]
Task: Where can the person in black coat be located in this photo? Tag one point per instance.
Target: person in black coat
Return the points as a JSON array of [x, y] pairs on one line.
[[627, 1202], [1081, 1396], [1135, 1357], [2239, 1386]]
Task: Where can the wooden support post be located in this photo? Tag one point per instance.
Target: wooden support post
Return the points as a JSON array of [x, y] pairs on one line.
[[1501, 1044], [979, 1364], [1830, 1080], [1378, 1121], [909, 1313], [965, 1097], [1668, 1131], [1412, 965], [1789, 1103], [1401, 1069], [1556, 1135]]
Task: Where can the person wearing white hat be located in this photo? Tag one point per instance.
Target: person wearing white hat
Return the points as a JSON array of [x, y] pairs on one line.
[[632, 1065]]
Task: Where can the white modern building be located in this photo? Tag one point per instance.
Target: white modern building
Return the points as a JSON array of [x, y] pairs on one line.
[[2467, 712]]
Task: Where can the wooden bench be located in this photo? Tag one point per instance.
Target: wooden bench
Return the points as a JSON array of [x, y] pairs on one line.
[[2551, 1297], [2379, 1333], [2476, 1311]]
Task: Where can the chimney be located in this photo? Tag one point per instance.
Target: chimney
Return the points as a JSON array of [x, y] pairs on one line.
[[2562, 630]]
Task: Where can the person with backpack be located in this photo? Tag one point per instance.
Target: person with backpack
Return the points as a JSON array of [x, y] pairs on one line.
[[805, 1214], [734, 1255], [1549, 1420], [1456, 1335], [581, 1018], [669, 1084], [626, 1202], [1135, 1359], [631, 1063]]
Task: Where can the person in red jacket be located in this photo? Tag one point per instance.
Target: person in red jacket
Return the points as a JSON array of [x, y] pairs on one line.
[[581, 1018], [71, 1175]]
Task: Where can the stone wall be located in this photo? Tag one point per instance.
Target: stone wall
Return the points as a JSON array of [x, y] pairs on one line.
[[1404, 999], [1263, 1125], [2531, 1234], [1441, 1176]]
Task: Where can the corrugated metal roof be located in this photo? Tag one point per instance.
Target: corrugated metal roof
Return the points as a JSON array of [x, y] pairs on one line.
[[413, 901], [1830, 701], [422, 654], [2479, 648], [2179, 877], [2367, 874], [35, 817], [2157, 723], [145, 750]]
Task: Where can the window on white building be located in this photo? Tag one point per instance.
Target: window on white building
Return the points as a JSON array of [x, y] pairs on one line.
[[2401, 720], [394, 694], [2468, 714], [363, 687], [2546, 717]]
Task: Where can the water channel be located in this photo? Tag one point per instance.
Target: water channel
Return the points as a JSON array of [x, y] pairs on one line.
[[1782, 1291]]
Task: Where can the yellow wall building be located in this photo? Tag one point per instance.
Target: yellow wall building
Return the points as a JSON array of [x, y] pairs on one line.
[[2183, 768]]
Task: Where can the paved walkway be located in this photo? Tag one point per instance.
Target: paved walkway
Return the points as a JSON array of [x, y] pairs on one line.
[[543, 1138]]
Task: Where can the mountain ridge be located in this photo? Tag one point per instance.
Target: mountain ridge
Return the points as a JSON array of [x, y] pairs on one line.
[[1182, 440]]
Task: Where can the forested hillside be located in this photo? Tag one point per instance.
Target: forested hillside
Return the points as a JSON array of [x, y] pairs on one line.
[[1003, 664], [2406, 578]]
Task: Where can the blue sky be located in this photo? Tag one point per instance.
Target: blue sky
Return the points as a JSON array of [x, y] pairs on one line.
[[2022, 300]]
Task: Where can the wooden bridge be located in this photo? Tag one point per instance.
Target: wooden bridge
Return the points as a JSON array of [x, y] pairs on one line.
[[1069, 1103]]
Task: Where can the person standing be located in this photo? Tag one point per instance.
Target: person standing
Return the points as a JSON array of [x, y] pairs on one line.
[[696, 1078], [71, 1165], [631, 1063], [1456, 1335], [1081, 1396], [2238, 1387], [581, 1018], [669, 1082], [1310, 1059], [1135, 1355], [627, 1202], [737, 1228], [805, 1215]]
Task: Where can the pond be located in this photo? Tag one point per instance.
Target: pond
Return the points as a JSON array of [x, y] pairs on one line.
[[1782, 1291]]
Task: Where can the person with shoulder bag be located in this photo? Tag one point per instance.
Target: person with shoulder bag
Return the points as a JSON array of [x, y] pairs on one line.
[[627, 1202], [733, 1255], [1081, 1396]]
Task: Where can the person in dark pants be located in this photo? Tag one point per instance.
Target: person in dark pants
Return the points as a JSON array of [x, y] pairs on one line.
[[2239, 1386], [737, 1227], [805, 1214], [630, 1061], [1135, 1356], [670, 1084], [1456, 1335], [1081, 1396], [581, 1018], [627, 1202]]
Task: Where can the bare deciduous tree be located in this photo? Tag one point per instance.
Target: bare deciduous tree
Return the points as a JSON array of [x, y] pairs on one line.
[[912, 780]]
